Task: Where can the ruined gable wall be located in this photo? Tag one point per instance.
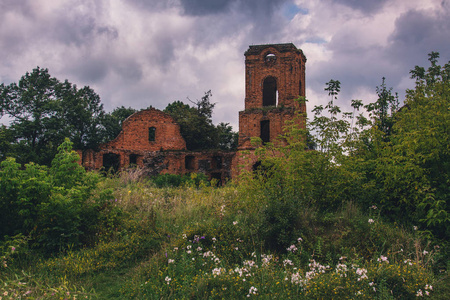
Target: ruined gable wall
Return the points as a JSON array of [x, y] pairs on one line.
[[135, 133]]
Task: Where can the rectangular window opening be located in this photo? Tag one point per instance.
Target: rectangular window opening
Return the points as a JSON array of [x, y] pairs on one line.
[[265, 131], [151, 134]]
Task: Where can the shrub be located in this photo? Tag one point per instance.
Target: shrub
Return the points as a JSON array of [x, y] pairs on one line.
[[53, 206]]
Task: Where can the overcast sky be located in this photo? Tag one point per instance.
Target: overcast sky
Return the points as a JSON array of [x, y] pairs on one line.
[[152, 52]]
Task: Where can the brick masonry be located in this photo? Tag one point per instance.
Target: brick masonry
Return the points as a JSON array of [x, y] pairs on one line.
[[275, 77]]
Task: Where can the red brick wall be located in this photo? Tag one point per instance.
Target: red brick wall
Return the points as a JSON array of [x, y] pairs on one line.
[[134, 135], [287, 66]]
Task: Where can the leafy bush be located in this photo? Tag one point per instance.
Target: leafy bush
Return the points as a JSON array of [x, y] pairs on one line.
[[54, 206]]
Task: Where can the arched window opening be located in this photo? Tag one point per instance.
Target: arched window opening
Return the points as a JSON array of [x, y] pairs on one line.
[[151, 134], [270, 92], [300, 88], [265, 131], [270, 57]]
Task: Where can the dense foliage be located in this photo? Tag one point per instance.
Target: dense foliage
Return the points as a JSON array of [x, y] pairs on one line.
[[197, 128], [54, 207], [45, 111], [363, 217]]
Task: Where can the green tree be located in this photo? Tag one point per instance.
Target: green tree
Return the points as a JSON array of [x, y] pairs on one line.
[[410, 170], [111, 123], [44, 111], [384, 109], [197, 128]]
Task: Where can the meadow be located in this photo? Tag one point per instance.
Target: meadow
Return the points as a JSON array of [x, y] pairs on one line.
[[203, 242]]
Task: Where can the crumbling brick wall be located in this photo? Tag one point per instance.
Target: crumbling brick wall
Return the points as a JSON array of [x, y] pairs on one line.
[[135, 133], [274, 78]]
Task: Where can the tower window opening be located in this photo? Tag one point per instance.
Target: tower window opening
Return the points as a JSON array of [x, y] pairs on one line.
[[270, 92], [265, 131], [151, 134], [270, 57]]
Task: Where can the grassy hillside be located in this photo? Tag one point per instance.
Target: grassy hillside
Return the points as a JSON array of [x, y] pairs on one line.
[[207, 243]]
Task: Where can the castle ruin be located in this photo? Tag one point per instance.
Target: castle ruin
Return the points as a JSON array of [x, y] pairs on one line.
[[274, 78]]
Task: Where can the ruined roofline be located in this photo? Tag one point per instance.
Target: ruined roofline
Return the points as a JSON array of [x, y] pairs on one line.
[[286, 47], [134, 115]]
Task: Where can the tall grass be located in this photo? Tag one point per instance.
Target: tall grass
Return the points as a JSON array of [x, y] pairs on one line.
[[207, 243]]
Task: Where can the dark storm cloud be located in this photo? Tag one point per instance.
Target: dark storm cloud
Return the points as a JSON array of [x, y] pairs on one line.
[[205, 7], [22, 7], [418, 32], [254, 9], [81, 29], [153, 5], [365, 6]]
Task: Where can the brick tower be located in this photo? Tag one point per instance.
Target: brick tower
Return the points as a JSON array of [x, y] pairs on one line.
[[274, 78]]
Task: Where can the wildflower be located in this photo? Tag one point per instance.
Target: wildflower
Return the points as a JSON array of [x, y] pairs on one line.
[[362, 273], [415, 228], [300, 239], [168, 279], [216, 272], [371, 221], [292, 248], [266, 259], [199, 249], [341, 270], [236, 248], [171, 261], [250, 263], [189, 252], [383, 259], [184, 236], [373, 207], [287, 262], [419, 293], [235, 222], [252, 291], [175, 249], [13, 249], [428, 287], [214, 239], [425, 252]]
